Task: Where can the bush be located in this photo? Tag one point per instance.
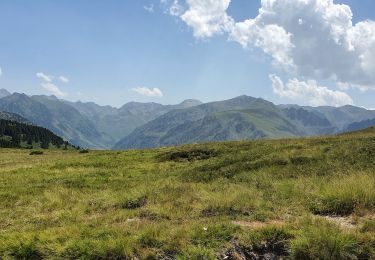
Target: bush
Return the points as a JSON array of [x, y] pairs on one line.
[[36, 152], [188, 155], [26, 250], [271, 241], [135, 203], [333, 205], [84, 151], [301, 160]]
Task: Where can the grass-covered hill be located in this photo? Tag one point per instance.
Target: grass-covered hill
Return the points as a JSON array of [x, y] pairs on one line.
[[311, 198], [15, 132], [360, 125]]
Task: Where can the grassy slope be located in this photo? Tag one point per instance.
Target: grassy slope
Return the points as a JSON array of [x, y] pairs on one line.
[[224, 199]]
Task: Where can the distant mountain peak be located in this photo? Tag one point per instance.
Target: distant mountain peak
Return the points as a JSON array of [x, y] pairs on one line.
[[18, 96], [4, 93], [189, 103], [51, 97]]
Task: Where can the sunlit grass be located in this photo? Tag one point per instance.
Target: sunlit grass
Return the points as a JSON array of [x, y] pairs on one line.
[[193, 202]]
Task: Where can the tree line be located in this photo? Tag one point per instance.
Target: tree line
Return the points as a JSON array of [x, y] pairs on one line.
[[15, 135]]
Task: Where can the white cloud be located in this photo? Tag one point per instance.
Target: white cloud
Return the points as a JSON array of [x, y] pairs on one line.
[[49, 78], [309, 92], [64, 79], [208, 17], [149, 92], [172, 7], [44, 77], [272, 38], [49, 86], [308, 38], [175, 9], [149, 8], [53, 89]]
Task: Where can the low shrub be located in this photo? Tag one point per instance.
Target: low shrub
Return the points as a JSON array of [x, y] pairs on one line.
[[188, 155], [36, 152], [151, 215], [333, 205], [273, 242], [301, 160], [135, 203], [26, 250]]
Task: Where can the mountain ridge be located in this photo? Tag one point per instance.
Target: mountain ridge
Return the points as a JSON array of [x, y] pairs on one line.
[[140, 125], [4, 93], [251, 118], [86, 124]]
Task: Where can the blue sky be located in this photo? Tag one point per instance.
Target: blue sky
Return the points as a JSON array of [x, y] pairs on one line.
[[108, 49]]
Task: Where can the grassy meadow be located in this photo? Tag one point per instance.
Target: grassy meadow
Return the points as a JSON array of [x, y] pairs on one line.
[[311, 198]]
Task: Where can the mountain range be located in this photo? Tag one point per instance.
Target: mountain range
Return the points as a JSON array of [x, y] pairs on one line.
[[142, 125], [85, 124], [241, 118]]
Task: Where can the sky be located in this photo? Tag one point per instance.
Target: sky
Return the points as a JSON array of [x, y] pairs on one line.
[[307, 52]]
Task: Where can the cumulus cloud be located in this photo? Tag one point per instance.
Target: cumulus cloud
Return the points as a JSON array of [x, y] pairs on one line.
[[64, 79], [208, 17], [44, 77], [149, 92], [53, 89], [272, 39], [308, 38], [309, 92]]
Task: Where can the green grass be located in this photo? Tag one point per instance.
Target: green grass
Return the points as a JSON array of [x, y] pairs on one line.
[[202, 201]]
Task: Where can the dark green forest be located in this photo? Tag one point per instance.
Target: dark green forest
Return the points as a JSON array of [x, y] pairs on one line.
[[19, 135]]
